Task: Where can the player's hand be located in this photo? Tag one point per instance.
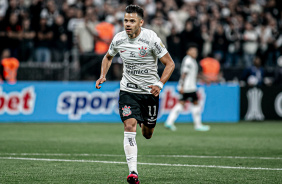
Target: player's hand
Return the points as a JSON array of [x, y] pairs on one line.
[[100, 81], [181, 91], [155, 90]]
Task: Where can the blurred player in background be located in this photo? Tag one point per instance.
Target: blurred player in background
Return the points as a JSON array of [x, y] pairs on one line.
[[140, 85], [187, 87]]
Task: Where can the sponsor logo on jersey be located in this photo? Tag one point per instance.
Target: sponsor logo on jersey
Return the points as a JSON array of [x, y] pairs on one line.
[[112, 45], [142, 51], [135, 72], [118, 42], [131, 85], [132, 54], [17, 102], [126, 110], [158, 48], [162, 44], [144, 41], [131, 66]]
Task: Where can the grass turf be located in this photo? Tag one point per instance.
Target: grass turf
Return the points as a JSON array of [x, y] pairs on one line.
[[66, 153]]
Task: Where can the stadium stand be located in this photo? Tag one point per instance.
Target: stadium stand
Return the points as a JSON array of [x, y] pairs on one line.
[[43, 34]]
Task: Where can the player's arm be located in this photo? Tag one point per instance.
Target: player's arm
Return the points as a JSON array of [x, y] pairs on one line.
[[106, 63], [182, 79], [169, 67]]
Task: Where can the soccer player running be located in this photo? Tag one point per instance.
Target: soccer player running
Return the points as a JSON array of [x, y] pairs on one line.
[[140, 85], [187, 87]]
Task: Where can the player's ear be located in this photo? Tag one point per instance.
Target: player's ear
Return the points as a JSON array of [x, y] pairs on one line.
[[141, 22]]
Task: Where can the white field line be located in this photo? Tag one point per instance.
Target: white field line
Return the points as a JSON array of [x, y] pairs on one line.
[[140, 163], [170, 156]]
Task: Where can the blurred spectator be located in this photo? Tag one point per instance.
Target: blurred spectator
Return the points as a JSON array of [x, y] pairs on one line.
[[207, 40], [278, 44], [219, 44], [26, 41], [59, 39], [150, 8], [35, 10], [174, 48], [161, 27], [9, 67], [265, 34], [23, 6], [272, 8], [254, 75], [85, 33], [13, 8], [3, 7], [2, 34], [233, 37], [43, 42], [278, 73], [210, 70], [189, 35], [73, 18], [235, 30], [255, 6], [13, 30], [250, 44], [272, 51], [180, 17], [105, 34], [50, 12]]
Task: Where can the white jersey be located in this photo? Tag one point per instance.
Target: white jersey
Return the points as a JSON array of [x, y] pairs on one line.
[[140, 56], [189, 67]]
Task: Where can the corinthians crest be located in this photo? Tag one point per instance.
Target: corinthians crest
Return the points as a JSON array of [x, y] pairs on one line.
[[142, 52], [126, 110]]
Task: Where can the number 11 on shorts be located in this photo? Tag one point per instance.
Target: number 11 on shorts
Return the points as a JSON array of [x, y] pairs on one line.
[[150, 110]]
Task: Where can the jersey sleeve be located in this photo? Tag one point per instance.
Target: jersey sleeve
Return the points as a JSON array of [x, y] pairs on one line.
[[187, 66], [113, 50], [158, 47]]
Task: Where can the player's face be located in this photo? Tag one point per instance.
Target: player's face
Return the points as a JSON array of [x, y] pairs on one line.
[[193, 52], [132, 24]]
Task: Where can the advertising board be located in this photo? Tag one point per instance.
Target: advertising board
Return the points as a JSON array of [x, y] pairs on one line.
[[81, 102]]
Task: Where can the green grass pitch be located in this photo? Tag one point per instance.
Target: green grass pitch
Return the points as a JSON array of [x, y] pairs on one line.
[[93, 153]]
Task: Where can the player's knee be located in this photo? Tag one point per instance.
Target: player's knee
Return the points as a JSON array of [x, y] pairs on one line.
[[130, 128], [148, 136]]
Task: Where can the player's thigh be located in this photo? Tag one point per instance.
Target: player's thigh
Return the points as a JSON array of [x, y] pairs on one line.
[[149, 110], [195, 98], [130, 125], [192, 97], [129, 107], [147, 132]]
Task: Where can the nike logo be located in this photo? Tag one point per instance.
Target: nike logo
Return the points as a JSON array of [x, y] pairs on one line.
[[122, 51]]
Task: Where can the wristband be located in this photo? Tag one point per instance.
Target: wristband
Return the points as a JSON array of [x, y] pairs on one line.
[[159, 84]]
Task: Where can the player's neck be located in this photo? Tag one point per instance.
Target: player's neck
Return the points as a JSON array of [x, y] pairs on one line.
[[135, 35]]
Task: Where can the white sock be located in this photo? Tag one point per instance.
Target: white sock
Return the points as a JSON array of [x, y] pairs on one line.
[[174, 114], [130, 150], [197, 115]]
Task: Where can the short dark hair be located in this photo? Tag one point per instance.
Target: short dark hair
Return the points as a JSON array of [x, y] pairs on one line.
[[191, 45], [135, 9]]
